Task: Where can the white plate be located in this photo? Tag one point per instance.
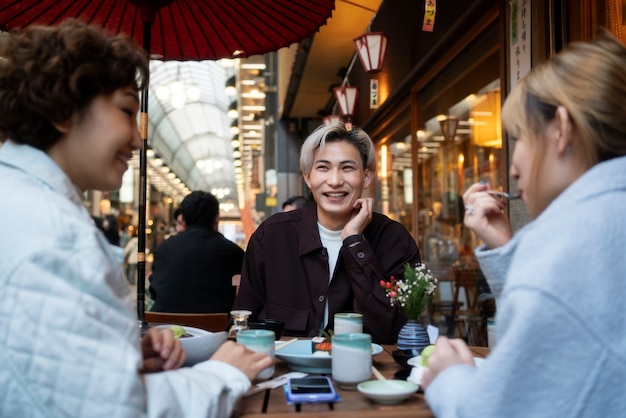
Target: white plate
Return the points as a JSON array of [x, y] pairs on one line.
[[299, 357], [387, 392], [416, 361]]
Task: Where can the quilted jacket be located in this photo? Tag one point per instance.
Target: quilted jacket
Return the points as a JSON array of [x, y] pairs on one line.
[[69, 341]]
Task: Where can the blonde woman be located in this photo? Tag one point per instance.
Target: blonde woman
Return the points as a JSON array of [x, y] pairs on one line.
[[561, 280]]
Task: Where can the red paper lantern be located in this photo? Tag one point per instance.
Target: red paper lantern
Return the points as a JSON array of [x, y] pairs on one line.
[[371, 47], [346, 99]]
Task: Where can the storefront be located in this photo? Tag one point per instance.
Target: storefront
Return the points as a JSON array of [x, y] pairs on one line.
[[438, 129]]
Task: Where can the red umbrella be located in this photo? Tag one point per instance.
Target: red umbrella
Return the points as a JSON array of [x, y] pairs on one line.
[[180, 30], [185, 29]]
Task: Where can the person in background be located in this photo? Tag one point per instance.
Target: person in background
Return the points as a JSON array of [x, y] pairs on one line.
[[560, 279], [130, 256], [179, 221], [295, 202], [192, 272], [70, 344], [303, 266], [107, 222], [124, 234]]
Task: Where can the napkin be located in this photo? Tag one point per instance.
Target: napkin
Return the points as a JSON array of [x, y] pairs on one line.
[[274, 383], [433, 333], [416, 375]]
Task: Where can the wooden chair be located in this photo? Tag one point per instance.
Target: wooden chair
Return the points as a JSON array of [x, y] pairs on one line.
[[441, 310], [213, 322], [466, 310]]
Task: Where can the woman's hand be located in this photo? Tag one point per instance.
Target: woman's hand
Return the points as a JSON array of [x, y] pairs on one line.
[[484, 214], [447, 353], [249, 362], [161, 351]]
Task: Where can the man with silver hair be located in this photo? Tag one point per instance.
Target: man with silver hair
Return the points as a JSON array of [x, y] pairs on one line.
[[303, 266]]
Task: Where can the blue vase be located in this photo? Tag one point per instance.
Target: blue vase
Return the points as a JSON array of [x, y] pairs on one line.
[[413, 336]]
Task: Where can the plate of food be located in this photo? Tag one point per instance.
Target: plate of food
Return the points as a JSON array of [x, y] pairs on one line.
[[311, 356], [198, 343]]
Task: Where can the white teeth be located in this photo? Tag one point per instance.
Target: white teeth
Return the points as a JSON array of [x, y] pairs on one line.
[[336, 194]]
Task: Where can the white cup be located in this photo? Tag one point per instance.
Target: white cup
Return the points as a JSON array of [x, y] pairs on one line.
[[259, 340], [351, 359], [348, 323]]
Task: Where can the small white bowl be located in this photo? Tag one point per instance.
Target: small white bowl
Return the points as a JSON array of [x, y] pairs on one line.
[[388, 392], [417, 361], [201, 345]]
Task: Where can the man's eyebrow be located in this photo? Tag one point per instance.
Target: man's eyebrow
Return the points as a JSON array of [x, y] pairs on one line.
[[340, 162]]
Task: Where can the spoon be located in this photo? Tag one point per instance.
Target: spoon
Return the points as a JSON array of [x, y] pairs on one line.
[[504, 195]]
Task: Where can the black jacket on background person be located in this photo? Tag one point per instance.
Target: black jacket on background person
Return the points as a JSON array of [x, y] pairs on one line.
[[192, 272], [108, 225], [285, 274]]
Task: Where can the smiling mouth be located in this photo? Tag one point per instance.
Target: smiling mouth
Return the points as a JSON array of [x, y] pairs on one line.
[[335, 195], [123, 157]]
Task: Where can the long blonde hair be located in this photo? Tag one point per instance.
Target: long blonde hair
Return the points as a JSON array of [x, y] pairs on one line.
[[589, 80]]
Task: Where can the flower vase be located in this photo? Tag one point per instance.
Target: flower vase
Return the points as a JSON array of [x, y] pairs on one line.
[[413, 336]]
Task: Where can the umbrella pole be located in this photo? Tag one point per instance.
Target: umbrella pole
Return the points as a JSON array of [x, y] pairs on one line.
[[143, 186]]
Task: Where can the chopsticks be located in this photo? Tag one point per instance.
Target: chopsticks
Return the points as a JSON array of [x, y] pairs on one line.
[[504, 195], [285, 344], [377, 374]]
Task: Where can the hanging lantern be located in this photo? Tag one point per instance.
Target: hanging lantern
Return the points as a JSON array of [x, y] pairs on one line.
[[449, 125], [371, 47], [346, 98]]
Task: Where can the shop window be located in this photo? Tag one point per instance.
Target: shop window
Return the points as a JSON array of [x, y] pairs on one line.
[[448, 163]]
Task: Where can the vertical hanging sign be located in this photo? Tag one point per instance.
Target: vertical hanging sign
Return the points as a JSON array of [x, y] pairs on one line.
[[430, 9], [519, 46], [373, 93]]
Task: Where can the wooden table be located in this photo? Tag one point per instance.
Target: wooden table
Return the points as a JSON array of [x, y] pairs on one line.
[[352, 405]]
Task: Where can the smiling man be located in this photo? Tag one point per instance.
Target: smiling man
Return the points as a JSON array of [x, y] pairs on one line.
[[302, 267]]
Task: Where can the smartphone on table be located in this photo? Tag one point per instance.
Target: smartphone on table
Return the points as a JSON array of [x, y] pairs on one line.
[[310, 389]]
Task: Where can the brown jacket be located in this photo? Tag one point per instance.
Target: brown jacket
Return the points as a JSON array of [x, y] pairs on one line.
[[285, 274]]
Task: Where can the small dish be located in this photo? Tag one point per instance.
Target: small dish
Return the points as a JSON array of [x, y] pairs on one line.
[[416, 361], [387, 392]]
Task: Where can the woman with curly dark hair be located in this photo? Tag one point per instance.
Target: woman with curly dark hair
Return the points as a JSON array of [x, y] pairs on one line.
[[71, 345]]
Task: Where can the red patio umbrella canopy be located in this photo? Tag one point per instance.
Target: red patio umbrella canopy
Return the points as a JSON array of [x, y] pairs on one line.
[[185, 29]]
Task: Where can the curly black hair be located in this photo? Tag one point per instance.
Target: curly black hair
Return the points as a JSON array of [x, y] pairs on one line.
[[50, 73]]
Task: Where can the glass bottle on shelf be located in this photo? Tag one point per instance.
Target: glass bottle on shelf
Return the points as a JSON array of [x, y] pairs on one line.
[[240, 322]]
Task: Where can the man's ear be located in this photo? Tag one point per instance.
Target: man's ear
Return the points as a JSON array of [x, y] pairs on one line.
[[368, 177], [306, 179]]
